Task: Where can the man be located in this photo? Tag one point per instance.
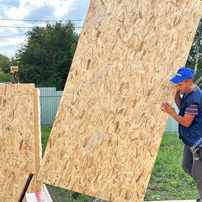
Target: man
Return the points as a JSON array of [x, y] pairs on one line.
[[189, 101]]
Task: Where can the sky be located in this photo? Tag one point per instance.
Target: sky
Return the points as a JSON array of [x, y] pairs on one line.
[[13, 11]]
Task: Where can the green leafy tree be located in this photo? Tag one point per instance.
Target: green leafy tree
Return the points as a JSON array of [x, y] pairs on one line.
[[4, 64], [4, 61], [195, 56], [5, 77], [46, 58]]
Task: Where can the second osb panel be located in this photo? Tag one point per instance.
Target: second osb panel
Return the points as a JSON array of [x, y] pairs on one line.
[[109, 126], [19, 139]]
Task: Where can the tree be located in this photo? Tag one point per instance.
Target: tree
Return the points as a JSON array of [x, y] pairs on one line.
[[4, 61], [46, 58], [4, 64], [5, 77], [195, 56]]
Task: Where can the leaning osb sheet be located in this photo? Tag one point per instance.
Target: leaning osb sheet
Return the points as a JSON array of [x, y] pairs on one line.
[[37, 186], [17, 139], [109, 125]]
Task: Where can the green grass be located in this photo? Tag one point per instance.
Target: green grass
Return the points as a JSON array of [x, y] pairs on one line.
[[45, 132], [168, 180]]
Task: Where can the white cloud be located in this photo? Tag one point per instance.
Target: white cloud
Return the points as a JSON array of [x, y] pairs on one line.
[[34, 9], [61, 8], [10, 44], [25, 7], [11, 40], [18, 12]]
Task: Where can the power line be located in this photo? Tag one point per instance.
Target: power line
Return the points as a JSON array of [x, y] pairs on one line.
[[10, 36], [18, 27], [30, 27], [40, 20]]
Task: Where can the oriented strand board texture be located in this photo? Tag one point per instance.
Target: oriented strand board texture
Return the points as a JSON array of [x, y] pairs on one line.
[[37, 186], [18, 149], [109, 126]]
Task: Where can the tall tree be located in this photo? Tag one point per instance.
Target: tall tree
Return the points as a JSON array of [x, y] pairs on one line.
[[4, 61], [46, 58], [195, 56], [4, 65]]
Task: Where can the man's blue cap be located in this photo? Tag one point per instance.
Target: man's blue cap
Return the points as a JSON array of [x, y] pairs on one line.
[[182, 74]]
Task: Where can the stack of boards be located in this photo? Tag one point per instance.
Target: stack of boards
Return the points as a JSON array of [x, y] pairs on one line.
[[109, 125]]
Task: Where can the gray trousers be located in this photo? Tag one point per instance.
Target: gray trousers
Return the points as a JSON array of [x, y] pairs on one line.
[[192, 165]]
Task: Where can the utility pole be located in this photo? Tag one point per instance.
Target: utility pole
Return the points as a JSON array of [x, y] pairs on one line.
[[14, 72]]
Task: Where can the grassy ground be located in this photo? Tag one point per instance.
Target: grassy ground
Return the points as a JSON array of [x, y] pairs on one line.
[[168, 180]]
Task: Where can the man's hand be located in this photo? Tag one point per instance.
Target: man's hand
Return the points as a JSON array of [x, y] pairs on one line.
[[165, 107], [185, 120]]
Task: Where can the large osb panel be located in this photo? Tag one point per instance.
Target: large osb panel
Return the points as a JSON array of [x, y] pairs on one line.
[[109, 126], [18, 135]]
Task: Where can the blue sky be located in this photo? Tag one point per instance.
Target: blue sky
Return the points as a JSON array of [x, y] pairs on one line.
[[13, 38]]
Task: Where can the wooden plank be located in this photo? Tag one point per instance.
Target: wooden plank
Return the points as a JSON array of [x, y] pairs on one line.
[[36, 186], [17, 138], [109, 126]]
